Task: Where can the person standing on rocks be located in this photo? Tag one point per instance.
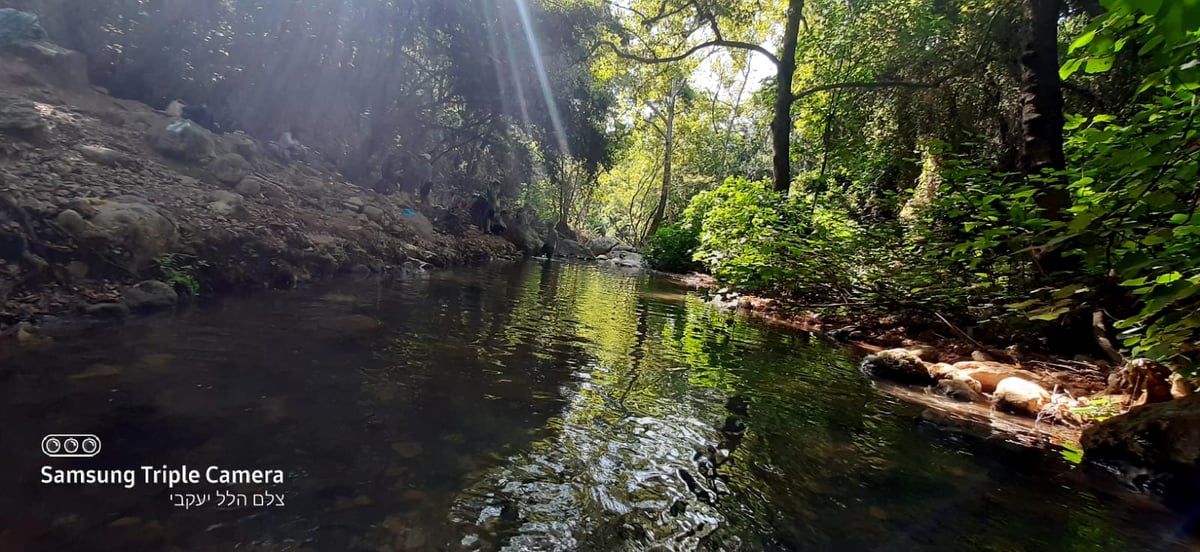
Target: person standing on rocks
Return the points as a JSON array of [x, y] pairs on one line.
[[425, 176]]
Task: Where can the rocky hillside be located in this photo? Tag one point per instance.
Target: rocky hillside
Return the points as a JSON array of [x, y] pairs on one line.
[[108, 206]]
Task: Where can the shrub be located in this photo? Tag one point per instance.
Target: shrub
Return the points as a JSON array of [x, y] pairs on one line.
[[673, 248]]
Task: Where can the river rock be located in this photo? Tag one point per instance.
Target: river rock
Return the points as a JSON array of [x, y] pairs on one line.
[[1162, 437], [961, 389], [224, 203], [1021, 396], [1180, 386], [941, 370], [601, 245], [244, 146], [520, 231], [183, 140], [990, 374], [21, 119], [102, 155], [570, 249], [251, 186], [374, 214], [625, 259], [899, 365], [150, 295], [134, 225], [72, 222], [623, 247], [229, 168]]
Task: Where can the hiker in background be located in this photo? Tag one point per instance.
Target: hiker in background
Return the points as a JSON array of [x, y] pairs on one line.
[[175, 108], [425, 176], [200, 115]]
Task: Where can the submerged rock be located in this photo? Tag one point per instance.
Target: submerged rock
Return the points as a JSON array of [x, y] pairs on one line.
[[150, 295], [625, 259], [1021, 396], [899, 365], [961, 389], [1164, 437]]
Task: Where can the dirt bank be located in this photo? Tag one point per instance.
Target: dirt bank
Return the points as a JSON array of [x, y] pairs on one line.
[[98, 194]]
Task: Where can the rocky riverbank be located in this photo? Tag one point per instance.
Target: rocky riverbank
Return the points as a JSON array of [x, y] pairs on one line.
[[1135, 418], [108, 207]]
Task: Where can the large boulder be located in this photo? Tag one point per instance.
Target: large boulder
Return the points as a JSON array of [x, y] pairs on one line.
[[1021, 396], [521, 232], [601, 245], [126, 224], [18, 26], [900, 365], [54, 64], [243, 145], [571, 249], [184, 140], [625, 259], [1163, 438], [21, 119], [229, 168]]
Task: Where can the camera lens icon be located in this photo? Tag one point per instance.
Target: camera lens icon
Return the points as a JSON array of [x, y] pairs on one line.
[[71, 445]]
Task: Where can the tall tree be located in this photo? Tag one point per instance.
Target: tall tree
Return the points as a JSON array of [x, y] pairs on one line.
[[1042, 100]]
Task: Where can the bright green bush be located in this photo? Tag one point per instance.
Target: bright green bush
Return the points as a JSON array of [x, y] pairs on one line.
[[673, 248]]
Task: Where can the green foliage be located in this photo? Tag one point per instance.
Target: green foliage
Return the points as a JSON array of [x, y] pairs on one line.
[[755, 239], [181, 271], [673, 248]]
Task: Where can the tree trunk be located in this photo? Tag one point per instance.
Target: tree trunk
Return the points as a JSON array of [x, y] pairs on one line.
[[1042, 101], [781, 123], [668, 151], [1042, 118]]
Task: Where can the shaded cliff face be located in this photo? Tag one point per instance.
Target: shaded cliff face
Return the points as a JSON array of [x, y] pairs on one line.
[[98, 193]]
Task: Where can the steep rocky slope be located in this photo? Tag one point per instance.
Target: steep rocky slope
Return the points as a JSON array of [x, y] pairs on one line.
[[98, 194]]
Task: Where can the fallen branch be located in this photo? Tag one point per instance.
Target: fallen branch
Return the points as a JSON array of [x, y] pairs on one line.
[[958, 331]]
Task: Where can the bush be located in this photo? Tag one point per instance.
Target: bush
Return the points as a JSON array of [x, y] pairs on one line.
[[673, 248]]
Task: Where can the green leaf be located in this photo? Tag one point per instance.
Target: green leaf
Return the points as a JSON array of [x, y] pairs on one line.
[[1134, 282], [1048, 313], [1070, 68], [1083, 40], [1168, 278], [1099, 64], [1154, 42]]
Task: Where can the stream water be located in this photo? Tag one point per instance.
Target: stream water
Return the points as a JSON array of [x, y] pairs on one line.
[[536, 406]]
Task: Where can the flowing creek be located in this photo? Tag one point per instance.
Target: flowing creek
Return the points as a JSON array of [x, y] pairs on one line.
[[534, 406]]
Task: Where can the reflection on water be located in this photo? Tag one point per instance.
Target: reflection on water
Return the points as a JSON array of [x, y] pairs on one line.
[[534, 406]]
